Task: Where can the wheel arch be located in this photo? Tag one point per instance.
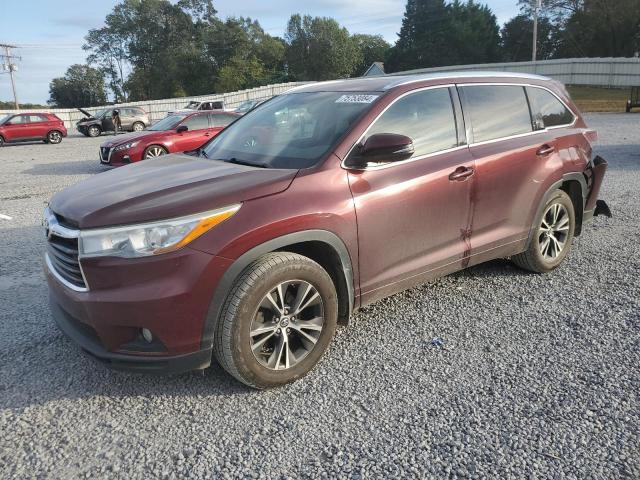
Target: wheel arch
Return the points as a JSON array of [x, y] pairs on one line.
[[573, 184], [322, 246]]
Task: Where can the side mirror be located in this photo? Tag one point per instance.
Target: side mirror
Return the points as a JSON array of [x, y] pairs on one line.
[[382, 148], [182, 128]]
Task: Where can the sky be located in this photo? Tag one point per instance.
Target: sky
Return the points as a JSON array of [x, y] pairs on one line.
[[50, 39]]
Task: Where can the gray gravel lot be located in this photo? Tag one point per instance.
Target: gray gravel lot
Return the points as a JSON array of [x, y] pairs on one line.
[[537, 376]]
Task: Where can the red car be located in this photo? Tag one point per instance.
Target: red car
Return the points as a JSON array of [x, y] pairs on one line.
[[318, 202], [179, 132], [29, 127]]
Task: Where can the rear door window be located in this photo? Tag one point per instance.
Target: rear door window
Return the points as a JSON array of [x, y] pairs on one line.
[[426, 117], [547, 110], [221, 121], [496, 111]]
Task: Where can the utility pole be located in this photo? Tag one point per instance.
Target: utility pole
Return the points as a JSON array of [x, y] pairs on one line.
[[537, 4], [12, 67]]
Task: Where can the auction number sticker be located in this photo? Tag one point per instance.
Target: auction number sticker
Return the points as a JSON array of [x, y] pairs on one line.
[[356, 98]]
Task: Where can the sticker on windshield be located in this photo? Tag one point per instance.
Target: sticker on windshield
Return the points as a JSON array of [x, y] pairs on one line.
[[356, 98]]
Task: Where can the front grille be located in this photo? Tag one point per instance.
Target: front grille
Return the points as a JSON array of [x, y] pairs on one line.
[[63, 254], [104, 153]]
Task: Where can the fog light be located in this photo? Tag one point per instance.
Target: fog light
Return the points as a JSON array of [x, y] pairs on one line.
[[146, 334]]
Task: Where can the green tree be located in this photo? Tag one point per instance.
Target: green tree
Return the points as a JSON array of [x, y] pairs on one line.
[[517, 39], [474, 35], [108, 52], [81, 86], [423, 38], [373, 48], [318, 48]]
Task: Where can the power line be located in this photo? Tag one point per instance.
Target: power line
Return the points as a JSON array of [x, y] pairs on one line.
[[8, 64]]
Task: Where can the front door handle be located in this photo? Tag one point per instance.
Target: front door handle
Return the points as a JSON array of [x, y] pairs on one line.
[[461, 173], [545, 150]]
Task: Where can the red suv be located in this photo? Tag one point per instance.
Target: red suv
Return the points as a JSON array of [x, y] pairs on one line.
[[178, 132], [28, 127], [318, 202]]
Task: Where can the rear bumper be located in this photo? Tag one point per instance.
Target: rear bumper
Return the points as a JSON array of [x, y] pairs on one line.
[[130, 363], [593, 206]]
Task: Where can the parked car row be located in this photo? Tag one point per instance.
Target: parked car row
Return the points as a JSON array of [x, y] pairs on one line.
[[28, 127], [252, 248]]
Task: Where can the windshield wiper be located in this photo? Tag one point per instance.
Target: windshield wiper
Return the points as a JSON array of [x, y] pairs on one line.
[[201, 152], [244, 162]]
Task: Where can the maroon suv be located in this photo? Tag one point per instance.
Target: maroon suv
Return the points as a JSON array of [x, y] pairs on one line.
[[318, 202]]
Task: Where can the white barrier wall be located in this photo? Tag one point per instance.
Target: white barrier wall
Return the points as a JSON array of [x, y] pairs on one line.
[[604, 72], [157, 109]]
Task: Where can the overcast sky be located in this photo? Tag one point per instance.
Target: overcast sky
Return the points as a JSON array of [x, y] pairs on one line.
[[51, 38]]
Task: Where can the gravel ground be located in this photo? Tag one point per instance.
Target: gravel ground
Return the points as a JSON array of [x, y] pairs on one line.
[[532, 375]]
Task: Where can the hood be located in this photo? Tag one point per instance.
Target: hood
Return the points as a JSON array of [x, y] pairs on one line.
[[166, 187], [128, 137], [85, 113]]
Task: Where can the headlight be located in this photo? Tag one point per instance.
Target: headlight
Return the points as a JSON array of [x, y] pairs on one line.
[[151, 238], [125, 146]]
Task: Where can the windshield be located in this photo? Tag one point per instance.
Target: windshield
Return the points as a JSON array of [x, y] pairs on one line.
[[245, 106], [4, 119], [192, 105], [100, 113], [167, 123], [290, 131]]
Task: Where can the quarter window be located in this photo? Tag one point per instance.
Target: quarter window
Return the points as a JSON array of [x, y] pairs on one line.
[[497, 111], [426, 117], [547, 110]]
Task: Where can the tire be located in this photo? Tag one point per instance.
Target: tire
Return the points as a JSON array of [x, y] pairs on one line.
[[54, 137], [154, 151], [247, 309], [552, 240], [1, 141], [94, 131], [138, 127]]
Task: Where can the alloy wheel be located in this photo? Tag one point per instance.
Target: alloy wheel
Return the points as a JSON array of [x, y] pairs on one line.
[[55, 137], [94, 131], [553, 231], [138, 127], [287, 325], [153, 152]]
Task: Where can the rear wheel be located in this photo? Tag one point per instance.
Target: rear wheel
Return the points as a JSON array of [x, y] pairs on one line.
[[278, 320], [54, 137], [94, 131], [552, 240], [1, 141], [138, 127], [154, 151]]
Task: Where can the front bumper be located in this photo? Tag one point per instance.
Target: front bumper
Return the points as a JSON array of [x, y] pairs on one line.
[[166, 365], [167, 294]]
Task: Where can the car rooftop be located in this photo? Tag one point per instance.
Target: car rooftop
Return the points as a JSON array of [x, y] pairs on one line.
[[387, 82]]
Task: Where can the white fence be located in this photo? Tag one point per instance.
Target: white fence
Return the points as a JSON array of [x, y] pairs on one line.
[[158, 109], [604, 72]]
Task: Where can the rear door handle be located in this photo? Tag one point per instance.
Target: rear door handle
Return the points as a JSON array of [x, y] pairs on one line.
[[545, 150], [461, 173]]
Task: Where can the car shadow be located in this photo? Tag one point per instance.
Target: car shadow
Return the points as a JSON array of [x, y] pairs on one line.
[[79, 167]]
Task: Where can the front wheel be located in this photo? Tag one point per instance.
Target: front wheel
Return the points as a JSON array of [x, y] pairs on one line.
[[154, 151], [552, 240], [94, 131], [54, 137], [138, 127], [277, 321]]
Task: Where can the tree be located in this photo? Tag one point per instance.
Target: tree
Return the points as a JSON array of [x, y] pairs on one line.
[[81, 86], [422, 41], [109, 54], [373, 48], [517, 39], [474, 35], [318, 48]]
